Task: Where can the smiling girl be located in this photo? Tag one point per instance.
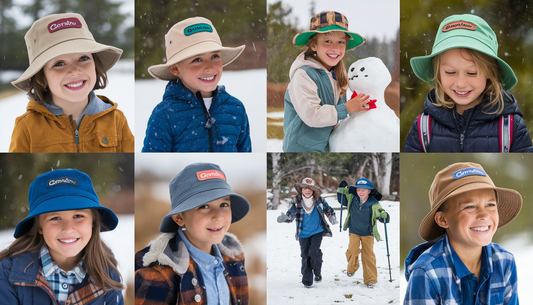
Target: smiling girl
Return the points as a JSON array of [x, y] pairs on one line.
[[470, 109], [315, 99], [64, 114], [58, 256]]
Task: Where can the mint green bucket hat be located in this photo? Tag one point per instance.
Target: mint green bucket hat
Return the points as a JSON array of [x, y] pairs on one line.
[[328, 21], [464, 31]]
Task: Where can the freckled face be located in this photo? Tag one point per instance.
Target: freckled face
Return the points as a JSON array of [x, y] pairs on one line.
[[200, 73], [330, 48]]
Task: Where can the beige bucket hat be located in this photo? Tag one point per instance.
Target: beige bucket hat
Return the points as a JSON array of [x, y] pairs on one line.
[[308, 183], [188, 38], [60, 34], [457, 179]]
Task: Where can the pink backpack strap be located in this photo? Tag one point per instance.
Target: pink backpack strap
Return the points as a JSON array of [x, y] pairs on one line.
[[424, 130]]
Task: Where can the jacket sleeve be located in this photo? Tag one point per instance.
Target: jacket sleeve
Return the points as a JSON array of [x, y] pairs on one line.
[[244, 144], [20, 139], [127, 138], [154, 287], [420, 290], [327, 208], [158, 134], [412, 142], [8, 294], [304, 97], [291, 213], [521, 138]]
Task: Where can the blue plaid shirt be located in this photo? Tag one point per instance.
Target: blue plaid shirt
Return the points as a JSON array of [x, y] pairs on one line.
[[436, 275], [59, 279]]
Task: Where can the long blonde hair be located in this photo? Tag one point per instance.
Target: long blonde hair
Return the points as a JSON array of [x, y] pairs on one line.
[[339, 69], [99, 259], [489, 67]]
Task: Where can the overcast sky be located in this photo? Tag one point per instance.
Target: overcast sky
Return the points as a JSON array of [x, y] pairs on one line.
[[370, 18]]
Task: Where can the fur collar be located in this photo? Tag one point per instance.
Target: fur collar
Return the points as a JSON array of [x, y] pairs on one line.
[[161, 252]]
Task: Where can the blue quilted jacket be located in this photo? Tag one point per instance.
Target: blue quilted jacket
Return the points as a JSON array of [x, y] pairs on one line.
[[178, 123], [479, 134]]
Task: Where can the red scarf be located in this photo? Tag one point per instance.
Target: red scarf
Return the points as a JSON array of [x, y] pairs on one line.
[[371, 104]]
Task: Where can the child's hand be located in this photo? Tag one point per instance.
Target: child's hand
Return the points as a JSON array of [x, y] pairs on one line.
[[282, 218], [333, 219], [358, 103]]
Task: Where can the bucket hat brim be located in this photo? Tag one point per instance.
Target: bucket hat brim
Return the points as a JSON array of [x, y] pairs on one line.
[[227, 54], [56, 204], [509, 204], [301, 39], [239, 206], [108, 55]]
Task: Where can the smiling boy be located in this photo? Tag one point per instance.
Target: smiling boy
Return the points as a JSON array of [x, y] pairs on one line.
[[459, 264], [196, 115], [196, 261]]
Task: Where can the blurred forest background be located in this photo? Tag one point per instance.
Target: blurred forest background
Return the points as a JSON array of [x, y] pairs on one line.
[[237, 22], [328, 170], [281, 53], [105, 18], [417, 172], [512, 22], [111, 174]]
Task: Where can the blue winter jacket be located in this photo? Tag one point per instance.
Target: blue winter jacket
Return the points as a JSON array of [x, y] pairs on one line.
[[179, 123], [480, 132], [22, 282]]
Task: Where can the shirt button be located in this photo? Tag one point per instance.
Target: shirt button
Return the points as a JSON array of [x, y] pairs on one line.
[[197, 298], [194, 282], [64, 285], [104, 140], [216, 262], [206, 266]]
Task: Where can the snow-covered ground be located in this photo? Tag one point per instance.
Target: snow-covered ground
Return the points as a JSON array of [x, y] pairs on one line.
[[120, 240], [283, 265], [120, 89], [249, 86]]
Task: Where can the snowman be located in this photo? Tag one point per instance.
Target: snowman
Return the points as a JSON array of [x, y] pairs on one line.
[[375, 130]]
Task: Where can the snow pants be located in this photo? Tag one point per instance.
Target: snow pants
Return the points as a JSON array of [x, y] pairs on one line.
[[368, 258], [311, 257]]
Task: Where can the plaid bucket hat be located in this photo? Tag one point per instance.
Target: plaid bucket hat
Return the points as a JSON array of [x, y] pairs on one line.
[[60, 34], [63, 190], [196, 185], [463, 31], [328, 21], [310, 184], [188, 38], [457, 179]]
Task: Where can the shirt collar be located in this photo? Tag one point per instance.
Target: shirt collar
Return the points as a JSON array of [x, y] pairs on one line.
[[50, 266], [460, 268], [200, 257]]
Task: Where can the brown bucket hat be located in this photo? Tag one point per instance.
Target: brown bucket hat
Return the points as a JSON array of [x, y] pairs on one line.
[[60, 34], [308, 183], [188, 38], [457, 179]]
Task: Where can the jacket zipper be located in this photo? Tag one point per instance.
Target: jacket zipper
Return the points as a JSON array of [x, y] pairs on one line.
[[76, 134], [209, 122]]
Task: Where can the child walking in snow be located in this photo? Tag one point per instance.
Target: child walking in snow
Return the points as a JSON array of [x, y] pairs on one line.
[[196, 261], [64, 114], [310, 211], [470, 109], [58, 256], [459, 264], [196, 115], [316, 96], [364, 210]]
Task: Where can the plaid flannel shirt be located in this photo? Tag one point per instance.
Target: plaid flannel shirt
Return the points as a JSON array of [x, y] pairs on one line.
[[296, 212], [434, 277], [59, 279]]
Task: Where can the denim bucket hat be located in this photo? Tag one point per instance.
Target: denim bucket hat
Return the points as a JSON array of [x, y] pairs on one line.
[[463, 31], [63, 190], [328, 21], [457, 179], [196, 185]]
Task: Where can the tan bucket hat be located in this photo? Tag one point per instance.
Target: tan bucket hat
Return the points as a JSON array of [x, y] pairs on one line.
[[188, 38], [60, 34], [308, 183], [460, 178]]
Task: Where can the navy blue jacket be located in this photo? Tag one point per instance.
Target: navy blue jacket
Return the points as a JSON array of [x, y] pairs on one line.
[[22, 282], [178, 123], [479, 134]]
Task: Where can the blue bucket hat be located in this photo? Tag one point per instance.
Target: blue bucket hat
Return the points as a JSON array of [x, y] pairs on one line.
[[364, 183], [196, 185], [62, 190]]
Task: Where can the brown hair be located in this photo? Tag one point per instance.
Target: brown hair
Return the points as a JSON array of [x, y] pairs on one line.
[[99, 259], [39, 86], [339, 69], [489, 67]]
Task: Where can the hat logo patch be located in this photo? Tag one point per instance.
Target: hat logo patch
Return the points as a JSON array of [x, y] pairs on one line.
[[210, 174], [62, 181], [64, 23], [468, 172], [362, 182], [197, 28], [465, 25]]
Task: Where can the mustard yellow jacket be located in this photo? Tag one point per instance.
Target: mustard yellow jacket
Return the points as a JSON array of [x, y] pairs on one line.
[[38, 130]]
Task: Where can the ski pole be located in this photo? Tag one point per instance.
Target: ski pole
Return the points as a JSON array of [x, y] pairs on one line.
[[340, 222], [388, 256]]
